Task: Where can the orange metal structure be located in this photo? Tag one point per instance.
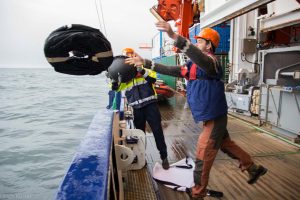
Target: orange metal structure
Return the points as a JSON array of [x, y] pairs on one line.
[[184, 12], [163, 90]]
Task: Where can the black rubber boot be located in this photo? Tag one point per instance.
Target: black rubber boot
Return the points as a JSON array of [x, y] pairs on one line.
[[214, 193], [210, 193], [189, 192], [255, 171], [165, 164]]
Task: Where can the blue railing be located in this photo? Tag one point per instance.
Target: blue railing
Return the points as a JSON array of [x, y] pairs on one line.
[[88, 175]]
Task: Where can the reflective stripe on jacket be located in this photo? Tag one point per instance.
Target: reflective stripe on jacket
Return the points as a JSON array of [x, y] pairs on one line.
[[140, 92]]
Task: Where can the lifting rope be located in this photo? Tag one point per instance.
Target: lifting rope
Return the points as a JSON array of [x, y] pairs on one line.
[[99, 20]]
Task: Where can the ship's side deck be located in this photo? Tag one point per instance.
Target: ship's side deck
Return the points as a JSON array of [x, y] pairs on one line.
[[282, 160]]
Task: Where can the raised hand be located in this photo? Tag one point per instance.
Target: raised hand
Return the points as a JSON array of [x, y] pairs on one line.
[[166, 27], [136, 60]]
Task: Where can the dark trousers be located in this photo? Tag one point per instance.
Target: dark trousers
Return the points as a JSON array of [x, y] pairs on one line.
[[151, 114], [112, 95]]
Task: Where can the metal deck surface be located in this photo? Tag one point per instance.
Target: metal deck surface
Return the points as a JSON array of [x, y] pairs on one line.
[[139, 185], [282, 160]]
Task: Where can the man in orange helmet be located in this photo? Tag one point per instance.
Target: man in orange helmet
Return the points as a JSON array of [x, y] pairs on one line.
[[129, 52], [206, 98], [141, 95]]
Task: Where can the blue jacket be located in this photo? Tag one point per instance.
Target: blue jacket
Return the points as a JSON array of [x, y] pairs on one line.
[[205, 90], [206, 95], [140, 91]]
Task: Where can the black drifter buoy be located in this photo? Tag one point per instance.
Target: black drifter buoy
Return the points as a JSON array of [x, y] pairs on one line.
[[78, 50]]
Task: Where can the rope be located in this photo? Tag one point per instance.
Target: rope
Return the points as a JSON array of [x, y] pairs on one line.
[[100, 27], [102, 17], [101, 10]]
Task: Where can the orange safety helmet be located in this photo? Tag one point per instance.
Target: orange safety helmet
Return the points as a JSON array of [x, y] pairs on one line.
[[210, 35], [127, 51]]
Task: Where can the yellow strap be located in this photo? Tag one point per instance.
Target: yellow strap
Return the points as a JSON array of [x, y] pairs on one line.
[[94, 58], [102, 55], [57, 59]]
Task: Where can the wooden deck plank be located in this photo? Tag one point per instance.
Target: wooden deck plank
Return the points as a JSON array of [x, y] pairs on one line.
[[282, 159], [281, 182]]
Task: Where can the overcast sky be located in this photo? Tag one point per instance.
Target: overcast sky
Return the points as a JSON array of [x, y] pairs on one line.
[[25, 24]]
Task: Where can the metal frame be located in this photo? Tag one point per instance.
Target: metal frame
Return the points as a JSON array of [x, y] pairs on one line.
[[275, 100], [263, 53], [230, 10], [280, 21]]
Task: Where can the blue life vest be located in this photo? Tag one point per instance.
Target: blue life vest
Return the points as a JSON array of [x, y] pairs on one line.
[[205, 94]]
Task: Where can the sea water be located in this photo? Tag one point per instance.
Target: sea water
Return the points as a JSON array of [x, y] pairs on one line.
[[43, 117]]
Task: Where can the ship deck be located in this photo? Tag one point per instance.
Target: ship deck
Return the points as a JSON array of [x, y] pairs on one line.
[[282, 160]]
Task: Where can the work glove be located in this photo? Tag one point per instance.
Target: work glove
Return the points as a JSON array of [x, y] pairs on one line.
[[114, 85]]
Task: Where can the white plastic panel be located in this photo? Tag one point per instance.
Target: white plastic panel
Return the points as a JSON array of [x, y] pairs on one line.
[[228, 10]]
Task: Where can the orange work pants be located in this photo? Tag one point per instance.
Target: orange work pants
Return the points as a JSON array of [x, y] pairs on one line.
[[213, 137]]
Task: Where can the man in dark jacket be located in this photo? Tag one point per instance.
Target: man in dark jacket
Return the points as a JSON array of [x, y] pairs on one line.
[[206, 98], [141, 95]]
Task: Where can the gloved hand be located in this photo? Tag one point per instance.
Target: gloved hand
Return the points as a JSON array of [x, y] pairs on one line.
[[139, 68]]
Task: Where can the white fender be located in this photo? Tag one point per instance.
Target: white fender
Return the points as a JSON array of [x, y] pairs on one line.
[[138, 149], [124, 156]]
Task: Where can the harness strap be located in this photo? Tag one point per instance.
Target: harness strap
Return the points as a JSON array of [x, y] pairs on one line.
[[104, 54], [184, 72], [193, 72], [94, 58], [57, 59]]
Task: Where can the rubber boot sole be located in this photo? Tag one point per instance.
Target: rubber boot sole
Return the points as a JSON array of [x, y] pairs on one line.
[[214, 193], [210, 193], [260, 173]]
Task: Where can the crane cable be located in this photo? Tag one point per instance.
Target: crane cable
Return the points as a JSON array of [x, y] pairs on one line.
[[100, 27], [101, 10]]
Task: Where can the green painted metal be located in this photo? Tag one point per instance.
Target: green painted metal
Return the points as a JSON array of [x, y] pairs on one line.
[[223, 59], [171, 61]]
